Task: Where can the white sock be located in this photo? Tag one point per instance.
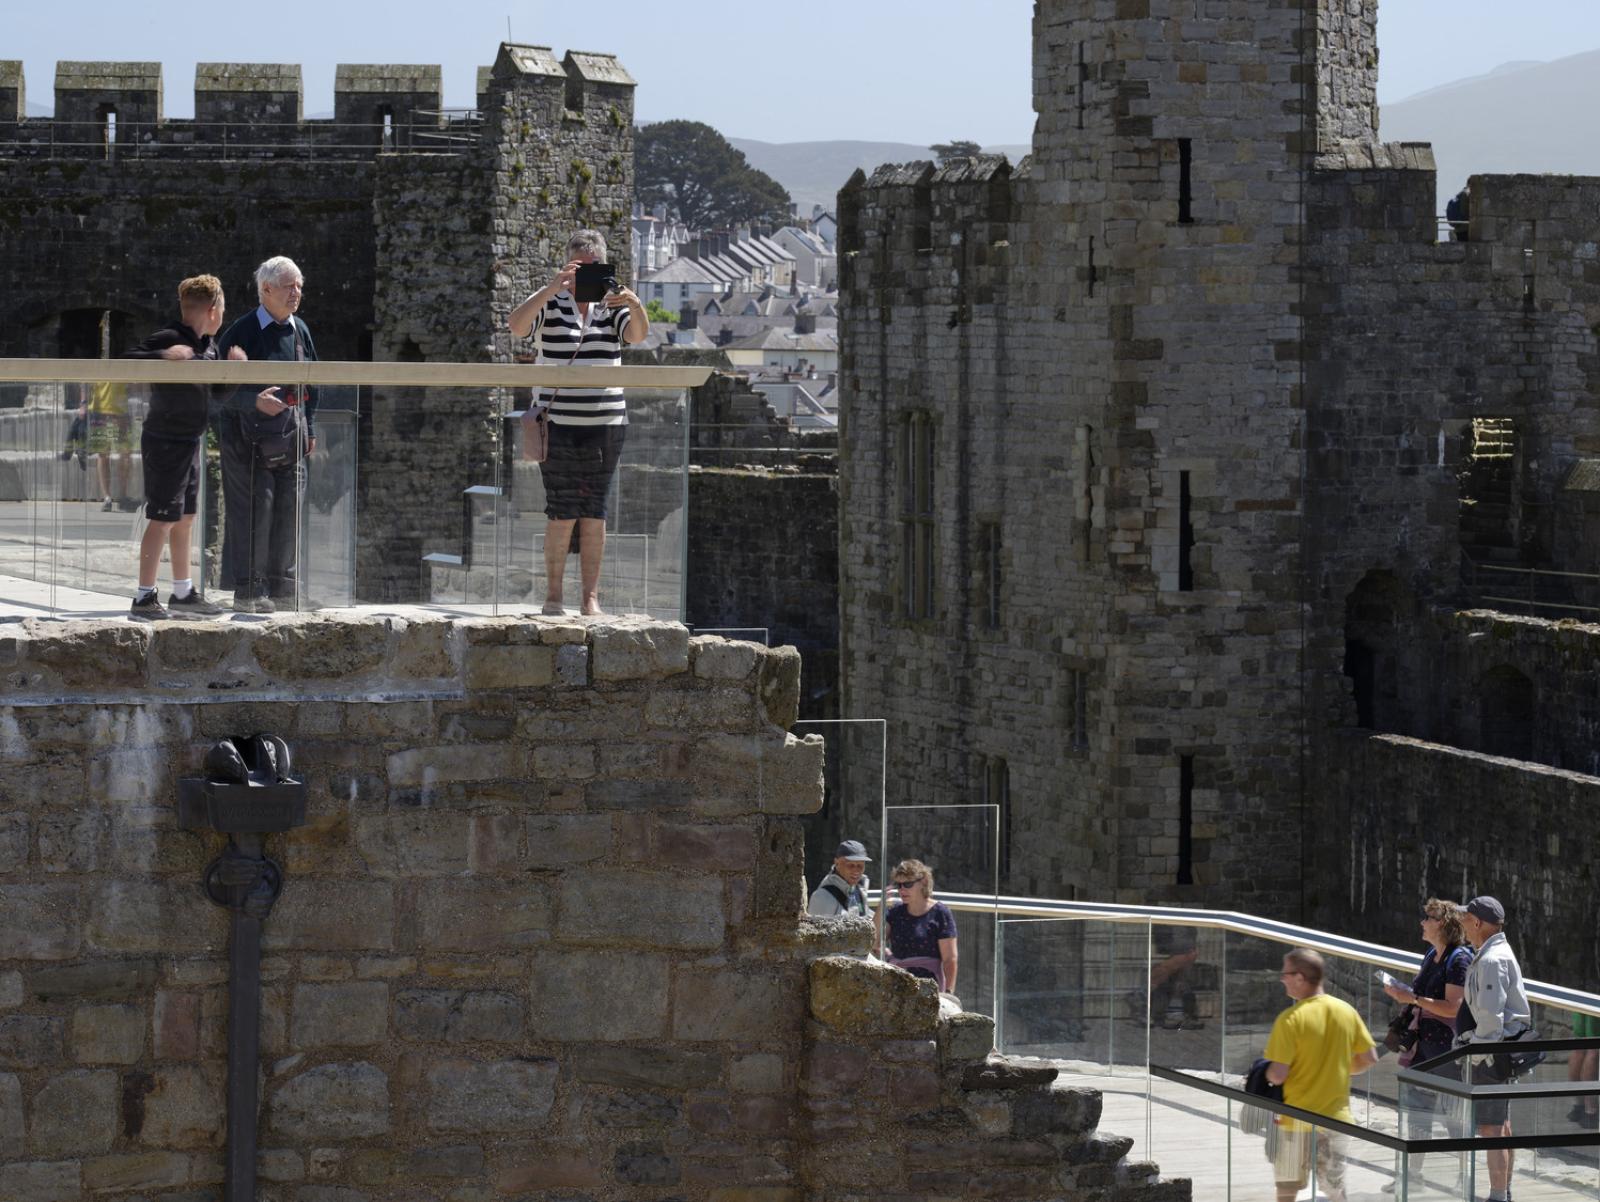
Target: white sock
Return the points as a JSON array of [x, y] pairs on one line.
[[182, 588], [144, 594]]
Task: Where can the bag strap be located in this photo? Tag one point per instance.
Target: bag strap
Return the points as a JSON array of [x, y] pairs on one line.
[[838, 895]]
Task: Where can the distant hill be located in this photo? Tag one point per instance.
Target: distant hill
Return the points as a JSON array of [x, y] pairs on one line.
[[813, 172], [1521, 117]]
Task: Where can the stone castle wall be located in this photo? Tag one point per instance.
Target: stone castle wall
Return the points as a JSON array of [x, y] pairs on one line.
[[1200, 369], [540, 935], [1417, 820]]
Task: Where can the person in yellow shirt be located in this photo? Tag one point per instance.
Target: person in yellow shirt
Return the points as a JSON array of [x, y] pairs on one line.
[[111, 433], [1315, 1047]]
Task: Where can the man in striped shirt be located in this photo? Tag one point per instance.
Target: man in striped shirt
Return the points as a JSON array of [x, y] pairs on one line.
[[587, 425]]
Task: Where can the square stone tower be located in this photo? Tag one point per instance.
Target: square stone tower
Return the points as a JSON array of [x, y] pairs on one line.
[[1075, 480]]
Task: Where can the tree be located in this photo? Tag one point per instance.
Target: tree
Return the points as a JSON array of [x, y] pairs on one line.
[[955, 150], [657, 312], [694, 169]]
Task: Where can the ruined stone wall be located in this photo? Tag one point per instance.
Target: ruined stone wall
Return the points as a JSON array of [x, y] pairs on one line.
[[541, 933], [1415, 820], [1469, 330]]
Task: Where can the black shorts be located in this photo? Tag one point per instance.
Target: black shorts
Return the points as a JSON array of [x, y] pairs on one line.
[[1488, 1112], [171, 476], [579, 469]]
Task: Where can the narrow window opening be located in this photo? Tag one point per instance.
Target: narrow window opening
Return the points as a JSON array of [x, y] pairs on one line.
[[386, 134], [1185, 536], [1083, 82], [108, 128], [1185, 183], [925, 516], [575, 93], [1078, 709], [916, 515], [1186, 820], [990, 550], [1093, 271]]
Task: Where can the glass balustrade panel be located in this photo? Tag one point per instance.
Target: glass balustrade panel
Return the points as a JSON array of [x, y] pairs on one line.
[[1181, 996], [645, 540], [853, 779], [1058, 993]]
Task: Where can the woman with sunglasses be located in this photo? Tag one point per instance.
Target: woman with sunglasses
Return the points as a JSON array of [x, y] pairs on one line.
[[922, 932]]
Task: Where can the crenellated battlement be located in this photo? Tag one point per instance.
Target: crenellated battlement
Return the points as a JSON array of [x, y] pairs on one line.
[[106, 109]]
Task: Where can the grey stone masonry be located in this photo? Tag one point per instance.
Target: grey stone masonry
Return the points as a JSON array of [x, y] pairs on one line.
[[541, 935], [13, 92], [1148, 433]]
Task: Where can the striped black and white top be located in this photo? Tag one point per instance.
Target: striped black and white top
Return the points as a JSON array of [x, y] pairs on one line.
[[564, 338]]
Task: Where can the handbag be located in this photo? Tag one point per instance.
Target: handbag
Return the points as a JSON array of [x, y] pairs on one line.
[[1402, 1034], [1252, 1119], [536, 431], [274, 452], [278, 451], [1514, 1064]]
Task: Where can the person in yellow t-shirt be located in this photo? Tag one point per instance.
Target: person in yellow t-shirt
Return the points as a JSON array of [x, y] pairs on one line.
[[111, 433], [1315, 1047]]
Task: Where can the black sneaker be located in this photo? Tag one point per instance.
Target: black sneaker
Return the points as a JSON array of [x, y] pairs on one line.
[[194, 605], [243, 604], [148, 609]]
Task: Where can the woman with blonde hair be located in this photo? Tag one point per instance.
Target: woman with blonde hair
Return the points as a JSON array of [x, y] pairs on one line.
[[1440, 983], [921, 931]]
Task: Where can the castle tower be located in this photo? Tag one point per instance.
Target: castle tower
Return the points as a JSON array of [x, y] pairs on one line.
[[1109, 389]]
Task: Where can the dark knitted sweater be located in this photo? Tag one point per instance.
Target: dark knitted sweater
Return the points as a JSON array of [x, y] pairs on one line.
[[272, 343]]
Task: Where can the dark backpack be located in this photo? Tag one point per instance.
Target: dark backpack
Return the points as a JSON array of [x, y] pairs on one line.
[[838, 895]]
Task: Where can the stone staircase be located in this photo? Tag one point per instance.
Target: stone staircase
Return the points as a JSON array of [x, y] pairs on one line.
[[1487, 528], [904, 1097]]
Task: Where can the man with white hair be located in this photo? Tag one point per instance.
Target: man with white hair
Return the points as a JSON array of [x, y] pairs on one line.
[[264, 433]]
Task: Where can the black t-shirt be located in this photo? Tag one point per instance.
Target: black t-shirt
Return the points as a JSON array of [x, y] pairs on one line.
[[177, 411], [1430, 982]]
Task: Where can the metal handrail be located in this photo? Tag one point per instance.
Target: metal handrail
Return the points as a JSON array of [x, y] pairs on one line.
[[1395, 1143], [1232, 921], [399, 375], [1496, 567]]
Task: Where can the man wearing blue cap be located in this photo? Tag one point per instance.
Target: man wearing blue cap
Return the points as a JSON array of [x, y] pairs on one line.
[[844, 890], [1495, 1008]]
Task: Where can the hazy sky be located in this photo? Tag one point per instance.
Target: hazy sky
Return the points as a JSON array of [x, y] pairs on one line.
[[881, 70]]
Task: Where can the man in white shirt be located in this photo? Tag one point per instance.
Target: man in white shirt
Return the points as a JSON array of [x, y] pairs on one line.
[[844, 890], [1495, 1008]]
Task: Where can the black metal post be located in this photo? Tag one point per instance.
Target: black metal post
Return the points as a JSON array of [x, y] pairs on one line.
[[245, 881], [251, 793]]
